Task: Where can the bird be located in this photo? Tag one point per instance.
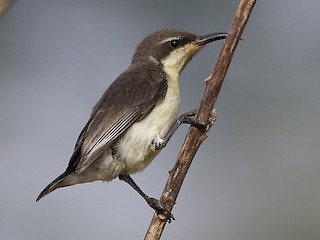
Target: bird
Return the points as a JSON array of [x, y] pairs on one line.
[[136, 116]]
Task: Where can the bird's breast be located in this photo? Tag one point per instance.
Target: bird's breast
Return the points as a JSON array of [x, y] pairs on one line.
[[134, 147]]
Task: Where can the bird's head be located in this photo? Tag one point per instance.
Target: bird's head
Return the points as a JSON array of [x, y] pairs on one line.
[[171, 48]]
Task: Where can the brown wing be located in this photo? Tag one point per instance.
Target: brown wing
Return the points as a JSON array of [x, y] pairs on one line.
[[128, 99]]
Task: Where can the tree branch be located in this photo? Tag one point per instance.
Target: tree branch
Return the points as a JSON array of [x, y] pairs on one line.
[[195, 137], [5, 5]]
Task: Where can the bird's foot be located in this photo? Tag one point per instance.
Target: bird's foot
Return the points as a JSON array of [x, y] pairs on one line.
[[201, 125], [157, 143], [163, 213]]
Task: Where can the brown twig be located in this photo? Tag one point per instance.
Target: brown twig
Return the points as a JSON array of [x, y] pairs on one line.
[[5, 5], [195, 137]]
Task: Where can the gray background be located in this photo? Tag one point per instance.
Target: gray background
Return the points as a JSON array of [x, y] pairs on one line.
[[255, 177]]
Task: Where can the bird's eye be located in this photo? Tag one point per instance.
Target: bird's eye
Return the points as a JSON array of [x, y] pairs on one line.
[[174, 43]]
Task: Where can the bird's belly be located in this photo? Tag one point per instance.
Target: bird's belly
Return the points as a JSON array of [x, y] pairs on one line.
[[134, 148]]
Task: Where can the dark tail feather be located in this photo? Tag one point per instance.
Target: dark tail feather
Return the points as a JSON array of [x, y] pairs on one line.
[[52, 186]]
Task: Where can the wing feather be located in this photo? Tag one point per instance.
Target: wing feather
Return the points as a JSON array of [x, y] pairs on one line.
[[112, 133], [130, 98]]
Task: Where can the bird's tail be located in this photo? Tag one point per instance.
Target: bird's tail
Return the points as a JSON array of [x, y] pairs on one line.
[[57, 183]]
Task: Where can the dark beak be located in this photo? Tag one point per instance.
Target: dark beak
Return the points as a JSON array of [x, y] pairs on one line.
[[203, 40]]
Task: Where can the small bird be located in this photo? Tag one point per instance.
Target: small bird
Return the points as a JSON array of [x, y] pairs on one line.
[[136, 116]]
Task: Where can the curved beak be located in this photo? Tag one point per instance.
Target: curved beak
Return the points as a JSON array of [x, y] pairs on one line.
[[203, 40]]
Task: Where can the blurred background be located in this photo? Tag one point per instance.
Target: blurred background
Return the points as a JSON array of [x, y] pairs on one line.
[[255, 177]]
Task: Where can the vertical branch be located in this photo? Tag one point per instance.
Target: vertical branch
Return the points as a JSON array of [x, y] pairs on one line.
[[195, 137]]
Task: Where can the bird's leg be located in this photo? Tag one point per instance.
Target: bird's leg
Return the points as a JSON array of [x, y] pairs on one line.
[[152, 202], [188, 118]]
